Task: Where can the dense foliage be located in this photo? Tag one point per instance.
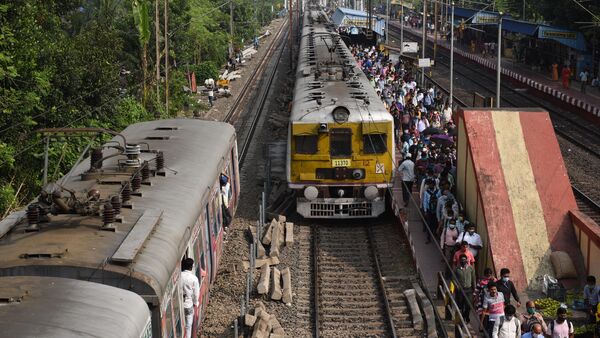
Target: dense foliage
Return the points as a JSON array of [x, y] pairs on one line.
[[76, 63]]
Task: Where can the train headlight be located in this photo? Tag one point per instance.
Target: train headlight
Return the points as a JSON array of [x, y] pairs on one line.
[[358, 174], [371, 192], [310, 193], [340, 114]]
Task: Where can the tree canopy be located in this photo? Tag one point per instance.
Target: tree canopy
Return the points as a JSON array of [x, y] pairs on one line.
[[74, 63]]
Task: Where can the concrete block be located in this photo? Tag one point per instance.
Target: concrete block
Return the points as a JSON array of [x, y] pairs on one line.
[[260, 250], [249, 320], [260, 262], [259, 306], [427, 310], [274, 335], [281, 219], [266, 240], [276, 292], [289, 234], [286, 275], [252, 230], [262, 328], [276, 326], [281, 234], [275, 240], [415, 312], [265, 279]]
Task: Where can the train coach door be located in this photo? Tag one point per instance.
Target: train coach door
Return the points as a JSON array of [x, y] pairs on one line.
[[208, 241]]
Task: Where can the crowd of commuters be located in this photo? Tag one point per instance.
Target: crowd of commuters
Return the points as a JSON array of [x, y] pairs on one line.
[[425, 135]]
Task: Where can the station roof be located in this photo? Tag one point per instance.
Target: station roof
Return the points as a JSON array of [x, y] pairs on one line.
[[347, 17], [569, 38]]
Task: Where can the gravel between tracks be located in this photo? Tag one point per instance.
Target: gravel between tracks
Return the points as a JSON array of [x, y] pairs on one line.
[[229, 287]]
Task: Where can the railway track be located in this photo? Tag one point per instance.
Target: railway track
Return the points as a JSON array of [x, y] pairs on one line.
[[261, 78], [359, 275], [572, 128]]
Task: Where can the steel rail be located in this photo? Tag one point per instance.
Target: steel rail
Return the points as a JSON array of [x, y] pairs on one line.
[[261, 103], [254, 76], [388, 308]]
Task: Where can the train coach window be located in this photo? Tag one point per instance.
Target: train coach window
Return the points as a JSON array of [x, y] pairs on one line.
[[306, 144], [340, 142], [375, 143]]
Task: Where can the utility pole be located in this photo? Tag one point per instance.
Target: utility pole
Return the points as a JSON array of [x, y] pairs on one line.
[[230, 28], [424, 40], [523, 18], [499, 65], [435, 29], [166, 14], [291, 33], [451, 57], [157, 46], [387, 22]]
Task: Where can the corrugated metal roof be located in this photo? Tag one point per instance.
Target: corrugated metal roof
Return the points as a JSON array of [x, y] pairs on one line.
[[345, 16]]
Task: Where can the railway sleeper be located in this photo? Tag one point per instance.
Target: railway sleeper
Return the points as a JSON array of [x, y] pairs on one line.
[[349, 302], [344, 318]]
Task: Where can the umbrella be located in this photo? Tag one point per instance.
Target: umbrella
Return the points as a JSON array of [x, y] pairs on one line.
[[442, 139], [431, 131]]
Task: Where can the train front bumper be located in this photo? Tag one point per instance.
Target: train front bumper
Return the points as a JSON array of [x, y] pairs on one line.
[[340, 208]]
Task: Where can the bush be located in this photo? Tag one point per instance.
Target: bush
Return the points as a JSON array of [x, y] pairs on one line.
[[205, 70]]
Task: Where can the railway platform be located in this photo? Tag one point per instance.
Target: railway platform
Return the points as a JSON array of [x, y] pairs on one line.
[[588, 102]]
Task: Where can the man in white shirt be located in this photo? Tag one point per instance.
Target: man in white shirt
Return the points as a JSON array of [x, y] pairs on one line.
[[407, 172], [471, 237], [508, 326], [583, 76], [191, 292]]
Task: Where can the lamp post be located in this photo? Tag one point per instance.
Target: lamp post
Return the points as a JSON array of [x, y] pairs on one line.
[[499, 65], [451, 57]]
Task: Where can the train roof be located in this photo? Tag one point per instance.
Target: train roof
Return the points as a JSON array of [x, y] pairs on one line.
[[58, 307], [341, 82], [147, 243]]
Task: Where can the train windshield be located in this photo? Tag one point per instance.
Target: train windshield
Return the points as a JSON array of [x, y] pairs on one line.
[[375, 143], [306, 144], [340, 142]]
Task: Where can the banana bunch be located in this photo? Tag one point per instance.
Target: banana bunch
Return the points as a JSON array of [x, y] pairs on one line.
[[544, 303], [548, 306]]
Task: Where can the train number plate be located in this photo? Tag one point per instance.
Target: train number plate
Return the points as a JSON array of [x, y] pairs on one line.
[[340, 163]]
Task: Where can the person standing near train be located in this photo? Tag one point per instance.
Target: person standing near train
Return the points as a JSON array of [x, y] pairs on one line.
[[191, 292], [407, 174]]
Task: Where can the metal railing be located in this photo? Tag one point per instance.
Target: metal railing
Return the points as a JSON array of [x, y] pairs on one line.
[[460, 324], [452, 310]]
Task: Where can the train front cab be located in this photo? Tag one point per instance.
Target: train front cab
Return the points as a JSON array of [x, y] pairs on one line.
[[205, 247], [341, 170]]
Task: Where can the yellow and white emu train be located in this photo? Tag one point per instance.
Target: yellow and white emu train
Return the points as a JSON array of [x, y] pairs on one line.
[[340, 152]]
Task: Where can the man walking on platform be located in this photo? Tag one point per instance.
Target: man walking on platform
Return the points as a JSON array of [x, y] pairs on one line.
[[466, 278], [506, 287], [407, 172]]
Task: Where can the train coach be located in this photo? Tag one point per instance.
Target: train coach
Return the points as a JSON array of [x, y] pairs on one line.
[[340, 154], [127, 215], [52, 307]]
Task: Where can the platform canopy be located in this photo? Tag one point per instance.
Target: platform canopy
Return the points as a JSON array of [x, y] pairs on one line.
[[347, 17], [570, 38]]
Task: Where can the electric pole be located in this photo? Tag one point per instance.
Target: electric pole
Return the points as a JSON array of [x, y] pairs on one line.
[[230, 28], [166, 14], [424, 44], [157, 46]]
